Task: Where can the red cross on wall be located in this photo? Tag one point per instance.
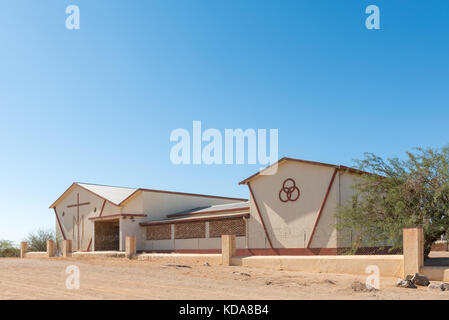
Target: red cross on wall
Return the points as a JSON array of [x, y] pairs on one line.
[[76, 221]]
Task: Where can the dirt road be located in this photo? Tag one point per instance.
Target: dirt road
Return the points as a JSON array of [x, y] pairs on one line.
[[123, 279]]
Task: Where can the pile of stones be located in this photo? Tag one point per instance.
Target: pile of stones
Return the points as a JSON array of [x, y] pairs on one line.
[[412, 281]]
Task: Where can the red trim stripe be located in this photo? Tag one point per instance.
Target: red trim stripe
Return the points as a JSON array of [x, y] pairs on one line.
[[102, 208], [260, 215], [59, 223], [320, 211], [118, 216]]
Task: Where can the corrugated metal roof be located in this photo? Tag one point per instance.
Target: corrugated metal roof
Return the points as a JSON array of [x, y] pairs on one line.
[[113, 194], [119, 195], [213, 208]]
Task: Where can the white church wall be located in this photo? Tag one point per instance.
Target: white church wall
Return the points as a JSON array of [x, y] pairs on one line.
[[290, 224], [129, 227], [158, 205], [66, 215]]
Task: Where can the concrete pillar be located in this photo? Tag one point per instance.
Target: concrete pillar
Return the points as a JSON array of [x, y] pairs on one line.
[[23, 249], [413, 247], [130, 246], [227, 249], [50, 248], [66, 248]]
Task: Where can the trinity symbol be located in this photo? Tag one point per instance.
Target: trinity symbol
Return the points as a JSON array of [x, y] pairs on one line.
[[289, 191]]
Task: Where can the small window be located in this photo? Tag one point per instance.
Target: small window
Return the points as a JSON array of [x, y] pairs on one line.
[[95, 209], [63, 213]]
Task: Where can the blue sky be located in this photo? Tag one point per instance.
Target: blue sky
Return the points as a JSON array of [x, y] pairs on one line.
[[98, 104]]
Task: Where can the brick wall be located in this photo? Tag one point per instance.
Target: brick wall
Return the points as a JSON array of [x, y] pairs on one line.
[[106, 236], [159, 232], [196, 230], [190, 230], [230, 226]]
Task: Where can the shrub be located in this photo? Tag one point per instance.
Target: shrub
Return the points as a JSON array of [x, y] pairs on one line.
[[37, 241], [8, 249], [402, 193]]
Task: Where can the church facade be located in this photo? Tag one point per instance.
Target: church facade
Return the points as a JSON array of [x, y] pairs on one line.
[[291, 211]]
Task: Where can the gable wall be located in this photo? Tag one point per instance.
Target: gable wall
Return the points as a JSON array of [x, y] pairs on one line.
[[290, 224], [86, 212]]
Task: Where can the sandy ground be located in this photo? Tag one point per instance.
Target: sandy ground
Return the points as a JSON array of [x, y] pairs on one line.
[[122, 279]]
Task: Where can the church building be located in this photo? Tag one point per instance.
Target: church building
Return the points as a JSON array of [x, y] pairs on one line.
[[290, 211]]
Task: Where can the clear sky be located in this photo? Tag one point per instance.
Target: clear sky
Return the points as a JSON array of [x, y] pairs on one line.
[[98, 104]]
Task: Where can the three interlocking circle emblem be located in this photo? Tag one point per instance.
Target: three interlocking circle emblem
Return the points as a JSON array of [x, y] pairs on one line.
[[289, 191]]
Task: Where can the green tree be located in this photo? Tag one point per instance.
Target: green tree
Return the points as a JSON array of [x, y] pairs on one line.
[[399, 194], [37, 241], [8, 249]]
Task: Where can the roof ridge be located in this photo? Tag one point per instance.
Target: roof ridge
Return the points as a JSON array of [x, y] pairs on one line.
[[104, 185], [284, 159]]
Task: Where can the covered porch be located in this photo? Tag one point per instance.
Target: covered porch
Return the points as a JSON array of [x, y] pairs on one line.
[[110, 231]]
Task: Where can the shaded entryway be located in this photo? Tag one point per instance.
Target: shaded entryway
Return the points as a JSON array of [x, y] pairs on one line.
[[107, 235]]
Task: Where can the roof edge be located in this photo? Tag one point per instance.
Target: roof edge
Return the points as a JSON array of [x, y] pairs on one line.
[[189, 214], [180, 193], [54, 204], [286, 159]]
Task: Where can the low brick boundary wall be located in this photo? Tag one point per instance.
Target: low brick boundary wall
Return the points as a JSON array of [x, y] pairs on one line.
[[181, 258], [436, 273], [100, 254], [389, 266], [36, 254], [399, 265]]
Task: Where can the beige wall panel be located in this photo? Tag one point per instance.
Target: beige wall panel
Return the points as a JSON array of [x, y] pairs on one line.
[[326, 233], [183, 244], [256, 233], [134, 205], [130, 227], [150, 245], [109, 210], [289, 223], [215, 243]]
